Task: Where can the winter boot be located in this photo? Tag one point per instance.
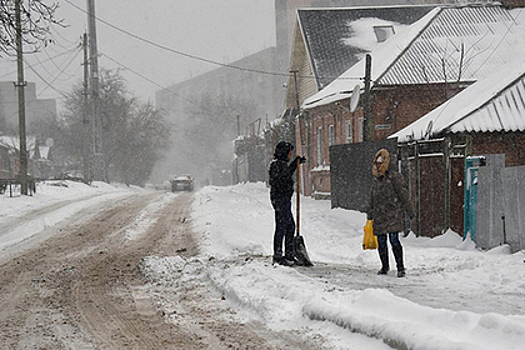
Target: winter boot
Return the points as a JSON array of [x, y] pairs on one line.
[[277, 259], [288, 261], [398, 254], [383, 255]]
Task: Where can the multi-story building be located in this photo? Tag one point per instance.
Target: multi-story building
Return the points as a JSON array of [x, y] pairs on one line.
[[36, 109]]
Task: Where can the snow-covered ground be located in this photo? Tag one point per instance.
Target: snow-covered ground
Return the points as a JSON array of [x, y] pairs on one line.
[[452, 298], [238, 222], [23, 217]]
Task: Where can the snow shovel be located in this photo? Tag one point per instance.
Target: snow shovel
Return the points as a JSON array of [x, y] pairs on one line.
[[301, 255]]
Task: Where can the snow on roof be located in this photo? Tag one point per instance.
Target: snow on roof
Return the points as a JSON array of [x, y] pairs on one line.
[[365, 39], [449, 44], [13, 142], [337, 38], [44, 152], [385, 53], [495, 103]]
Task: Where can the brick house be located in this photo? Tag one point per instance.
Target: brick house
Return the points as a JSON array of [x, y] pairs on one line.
[[413, 72], [326, 43], [12, 145], [489, 117]]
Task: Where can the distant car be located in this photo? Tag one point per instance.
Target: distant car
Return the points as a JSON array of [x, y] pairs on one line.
[[182, 183]]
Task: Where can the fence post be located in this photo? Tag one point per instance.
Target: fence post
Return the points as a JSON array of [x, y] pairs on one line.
[[447, 181], [418, 190]]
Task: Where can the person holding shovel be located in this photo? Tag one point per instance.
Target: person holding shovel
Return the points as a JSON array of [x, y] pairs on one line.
[[389, 198], [281, 191]]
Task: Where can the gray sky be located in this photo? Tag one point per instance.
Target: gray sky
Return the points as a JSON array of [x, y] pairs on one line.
[[218, 30]]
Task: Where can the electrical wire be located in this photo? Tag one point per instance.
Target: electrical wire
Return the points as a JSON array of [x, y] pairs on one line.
[[63, 73], [58, 67], [56, 77], [61, 54], [49, 85], [142, 76], [155, 83], [150, 42]]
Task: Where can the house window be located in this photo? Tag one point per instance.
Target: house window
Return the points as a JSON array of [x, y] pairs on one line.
[[384, 32], [360, 131], [348, 131], [320, 146], [331, 135]]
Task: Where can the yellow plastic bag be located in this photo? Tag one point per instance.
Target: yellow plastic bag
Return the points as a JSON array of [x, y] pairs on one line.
[[369, 240]]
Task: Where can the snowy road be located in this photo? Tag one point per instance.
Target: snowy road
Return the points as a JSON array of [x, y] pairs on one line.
[[82, 282], [102, 267]]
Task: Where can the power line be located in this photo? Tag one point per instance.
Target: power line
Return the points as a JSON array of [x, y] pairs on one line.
[[41, 62], [49, 85], [143, 77], [56, 77], [58, 67], [135, 36], [155, 83]]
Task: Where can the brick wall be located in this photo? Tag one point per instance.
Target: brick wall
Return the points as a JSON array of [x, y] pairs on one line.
[[510, 144], [324, 118], [396, 107]]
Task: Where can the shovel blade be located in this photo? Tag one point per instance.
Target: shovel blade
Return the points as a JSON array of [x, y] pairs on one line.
[[301, 255]]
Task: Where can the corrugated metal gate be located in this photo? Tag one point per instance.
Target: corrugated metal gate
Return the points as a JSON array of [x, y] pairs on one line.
[[350, 172], [500, 215], [426, 173]]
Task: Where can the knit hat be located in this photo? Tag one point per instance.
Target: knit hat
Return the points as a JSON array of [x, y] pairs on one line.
[[282, 150]]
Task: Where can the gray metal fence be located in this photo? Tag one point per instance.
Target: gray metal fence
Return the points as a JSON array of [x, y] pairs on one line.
[[500, 217]]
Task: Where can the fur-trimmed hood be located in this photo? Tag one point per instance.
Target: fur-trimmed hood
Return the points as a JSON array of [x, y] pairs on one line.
[[385, 163]]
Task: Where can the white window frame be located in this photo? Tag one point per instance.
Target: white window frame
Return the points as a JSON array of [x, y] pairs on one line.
[[331, 135], [361, 122], [319, 141], [349, 131]]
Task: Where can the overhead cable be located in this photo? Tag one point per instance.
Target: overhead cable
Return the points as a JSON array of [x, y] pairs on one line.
[[163, 47]]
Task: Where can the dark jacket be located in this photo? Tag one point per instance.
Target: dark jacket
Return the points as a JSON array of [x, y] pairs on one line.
[[389, 198], [281, 174]]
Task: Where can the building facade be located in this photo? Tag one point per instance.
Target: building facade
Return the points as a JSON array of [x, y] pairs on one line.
[[36, 109]]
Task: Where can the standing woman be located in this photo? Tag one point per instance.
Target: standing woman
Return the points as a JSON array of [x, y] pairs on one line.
[[389, 198], [281, 191]]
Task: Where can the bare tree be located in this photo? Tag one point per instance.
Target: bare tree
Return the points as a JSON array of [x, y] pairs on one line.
[[211, 128], [37, 18], [134, 135]]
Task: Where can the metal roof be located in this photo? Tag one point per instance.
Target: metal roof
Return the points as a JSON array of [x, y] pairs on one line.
[[506, 113], [493, 104], [326, 32], [450, 44], [459, 44]]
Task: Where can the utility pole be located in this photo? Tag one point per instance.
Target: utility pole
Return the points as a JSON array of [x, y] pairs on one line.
[[21, 99], [298, 107], [296, 90], [302, 142], [98, 165], [85, 114], [367, 119], [238, 125]]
